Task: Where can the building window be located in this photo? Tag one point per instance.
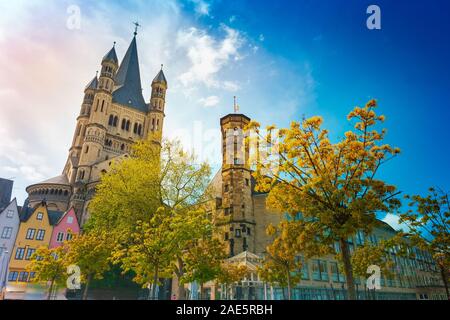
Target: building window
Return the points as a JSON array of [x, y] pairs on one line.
[[19, 253], [359, 238], [13, 276], [60, 237], [111, 120], [248, 230], [69, 236], [238, 233], [32, 275], [10, 214], [247, 182], [127, 127], [39, 216], [69, 220], [319, 270], [323, 270], [30, 234], [6, 233], [226, 236], [2, 249], [305, 269], [23, 276], [226, 188], [244, 244], [29, 253], [40, 235]]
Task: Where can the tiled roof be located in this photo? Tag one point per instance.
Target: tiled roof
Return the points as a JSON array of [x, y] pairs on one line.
[[128, 90]]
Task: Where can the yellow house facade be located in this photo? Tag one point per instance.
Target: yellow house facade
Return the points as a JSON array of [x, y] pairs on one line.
[[35, 231]]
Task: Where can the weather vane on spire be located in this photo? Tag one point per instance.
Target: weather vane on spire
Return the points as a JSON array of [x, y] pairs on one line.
[[236, 107], [137, 25]]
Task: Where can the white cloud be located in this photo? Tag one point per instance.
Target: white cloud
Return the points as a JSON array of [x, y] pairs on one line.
[[261, 37], [393, 221], [201, 7], [210, 101], [208, 55], [232, 19]]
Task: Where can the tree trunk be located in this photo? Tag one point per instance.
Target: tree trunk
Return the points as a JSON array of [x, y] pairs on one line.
[[179, 273], [200, 296], [289, 285], [155, 284], [345, 254], [86, 288], [50, 290], [445, 280]]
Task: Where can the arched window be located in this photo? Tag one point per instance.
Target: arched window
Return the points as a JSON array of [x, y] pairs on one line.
[[103, 103], [96, 106], [128, 125], [86, 150], [135, 129], [153, 123], [66, 193], [116, 119], [122, 147], [111, 120], [139, 129], [79, 130], [157, 124], [124, 123]]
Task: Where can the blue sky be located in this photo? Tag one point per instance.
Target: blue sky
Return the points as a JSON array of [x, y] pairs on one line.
[[283, 59]]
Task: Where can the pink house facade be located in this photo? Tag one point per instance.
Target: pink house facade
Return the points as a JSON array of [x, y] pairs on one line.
[[64, 229]]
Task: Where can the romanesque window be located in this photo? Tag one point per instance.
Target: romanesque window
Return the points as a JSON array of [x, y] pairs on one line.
[[139, 129], [124, 123], [128, 125], [111, 120], [135, 128], [103, 103], [116, 119]]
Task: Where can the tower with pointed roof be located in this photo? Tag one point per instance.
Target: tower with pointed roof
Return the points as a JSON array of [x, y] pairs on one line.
[[113, 115]]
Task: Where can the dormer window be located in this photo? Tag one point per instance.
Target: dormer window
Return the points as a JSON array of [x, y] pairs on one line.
[[40, 216]]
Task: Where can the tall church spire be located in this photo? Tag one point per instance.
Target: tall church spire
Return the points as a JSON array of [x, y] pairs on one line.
[[128, 80]]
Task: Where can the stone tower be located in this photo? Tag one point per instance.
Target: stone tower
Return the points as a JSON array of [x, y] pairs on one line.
[[157, 103], [237, 200], [113, 115]]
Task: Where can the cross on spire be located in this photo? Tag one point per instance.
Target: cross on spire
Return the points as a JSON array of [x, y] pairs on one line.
[[136, 26], [236, 107]]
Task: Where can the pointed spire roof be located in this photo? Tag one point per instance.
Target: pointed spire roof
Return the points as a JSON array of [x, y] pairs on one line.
[[128, 81], [92, 84], [111, 55], [160, 77]]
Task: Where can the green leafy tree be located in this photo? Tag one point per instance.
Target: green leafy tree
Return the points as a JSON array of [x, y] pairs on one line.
[[163, 188], [333, 185], [91, 253], [203, 261], [49, 266], [428, 222]]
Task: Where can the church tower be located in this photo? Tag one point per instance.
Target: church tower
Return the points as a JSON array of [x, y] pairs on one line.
[[157, 103], [237, 200]]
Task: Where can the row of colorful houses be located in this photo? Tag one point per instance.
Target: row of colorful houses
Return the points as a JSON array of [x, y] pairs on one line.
[[25, 229]]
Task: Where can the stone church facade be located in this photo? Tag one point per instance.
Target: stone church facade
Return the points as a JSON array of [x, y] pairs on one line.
[[113, 115]]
